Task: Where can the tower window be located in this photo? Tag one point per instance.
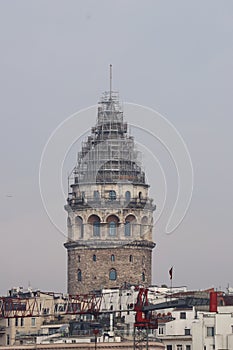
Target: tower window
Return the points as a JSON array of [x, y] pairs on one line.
[[112, 275], [94, 220], [96, 195], [112, 257], [80, 226], [131, 258], [69, 226], [143, 277], [112, 195], [127, 196], [130, 220], [79, 275], [112, 228], [94, 257], [127, 228], [79, 259], [112, 222], [96, 229], [140, 195]]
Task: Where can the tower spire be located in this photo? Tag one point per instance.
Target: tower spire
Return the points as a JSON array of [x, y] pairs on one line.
[[110, 67]]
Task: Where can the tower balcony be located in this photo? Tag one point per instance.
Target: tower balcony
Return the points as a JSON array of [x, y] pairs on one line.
[[81, 203]]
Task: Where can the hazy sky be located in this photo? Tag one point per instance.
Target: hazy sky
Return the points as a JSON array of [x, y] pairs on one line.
[[173, 56]]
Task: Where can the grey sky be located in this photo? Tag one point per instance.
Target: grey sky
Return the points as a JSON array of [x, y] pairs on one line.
[[173, 56]]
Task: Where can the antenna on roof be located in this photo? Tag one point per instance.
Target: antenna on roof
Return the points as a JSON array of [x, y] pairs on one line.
[[110, 81]]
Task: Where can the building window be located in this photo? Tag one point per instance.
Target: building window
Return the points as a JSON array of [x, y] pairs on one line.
[[127, 228], [79, 275], [169, 347], [79, 225], [210, 331], [8, 339], [187, 331], [112, 257], [8, 322], [131, 258], [94, 221], [22, 322], [79, 259], [183, 315], [112, 195], [161, 330], [96, 229], [188, 347], [179, 347], [127, 196], [112, 275], [94, 257], [69, 227], [33, 321], [140, 195], [143, 277], [112, 228], [130, 221], [96, 195], [16, 322]]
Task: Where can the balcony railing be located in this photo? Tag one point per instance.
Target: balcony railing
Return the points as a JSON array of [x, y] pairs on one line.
[[80, 202]]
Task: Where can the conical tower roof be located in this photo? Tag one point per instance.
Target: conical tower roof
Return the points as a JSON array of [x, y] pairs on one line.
[[109, 155]]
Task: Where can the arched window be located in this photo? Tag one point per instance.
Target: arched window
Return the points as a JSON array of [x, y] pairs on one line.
[[130, 220], [80, 226], [113, 275], [140, 195], [112, 228], [112, 257], [127, 196], [143, 277], [79, 275], [131, 258], [94, 257], [94, 220], [112, 222], [112, 195]]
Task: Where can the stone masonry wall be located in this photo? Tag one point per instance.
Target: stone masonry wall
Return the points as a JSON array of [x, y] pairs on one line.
[[132, 265]]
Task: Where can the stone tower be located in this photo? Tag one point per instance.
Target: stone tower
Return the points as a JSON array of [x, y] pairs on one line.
[[110, 216]]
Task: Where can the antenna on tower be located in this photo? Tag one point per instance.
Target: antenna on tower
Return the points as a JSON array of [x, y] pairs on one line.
[[110, 81]]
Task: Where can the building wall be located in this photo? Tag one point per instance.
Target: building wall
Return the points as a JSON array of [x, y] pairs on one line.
[[132, 265]]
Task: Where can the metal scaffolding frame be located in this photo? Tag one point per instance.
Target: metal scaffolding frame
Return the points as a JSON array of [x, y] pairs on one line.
[[109, 154]]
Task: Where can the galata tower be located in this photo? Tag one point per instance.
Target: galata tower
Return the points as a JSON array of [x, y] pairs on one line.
[[110, 215]]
